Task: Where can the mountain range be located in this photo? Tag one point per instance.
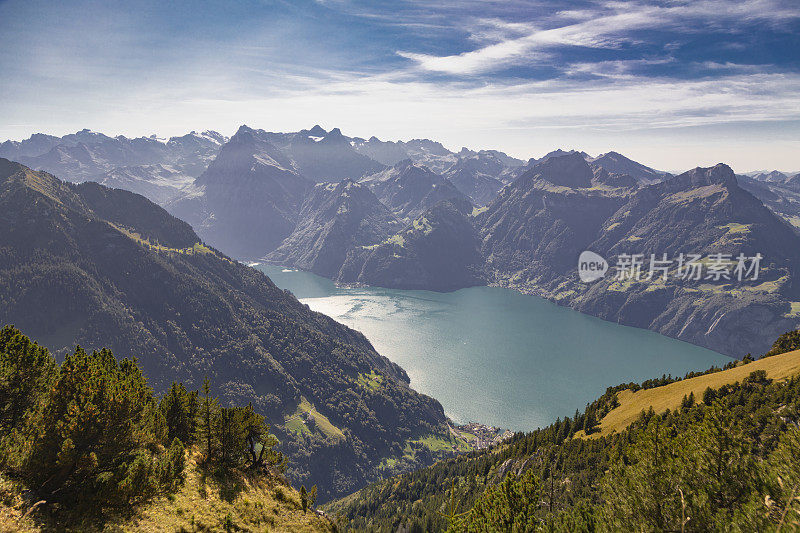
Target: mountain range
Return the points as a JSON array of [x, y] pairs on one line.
[[534, 232], [260, 190], [156, 168], [413, 214], [530, 236], [99, 267]]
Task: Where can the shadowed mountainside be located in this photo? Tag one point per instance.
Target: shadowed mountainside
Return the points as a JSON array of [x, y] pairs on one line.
[[88, 265]]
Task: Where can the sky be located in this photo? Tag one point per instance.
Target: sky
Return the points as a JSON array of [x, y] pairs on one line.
[[673, 84]]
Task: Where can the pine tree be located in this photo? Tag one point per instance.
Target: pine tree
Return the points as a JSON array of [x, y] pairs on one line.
[[590, 422], [26, 372], [208, 417], [258, 440], [232, 434], [96, 427], [179, 408], [312, 496]]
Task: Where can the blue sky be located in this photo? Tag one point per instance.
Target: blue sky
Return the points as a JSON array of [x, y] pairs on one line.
[[674, 84]]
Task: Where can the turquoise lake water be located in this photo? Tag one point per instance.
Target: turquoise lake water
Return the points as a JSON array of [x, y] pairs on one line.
[[494, 355]]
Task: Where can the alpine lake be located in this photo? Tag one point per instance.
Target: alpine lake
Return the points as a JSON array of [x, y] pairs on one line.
[[494, 355]]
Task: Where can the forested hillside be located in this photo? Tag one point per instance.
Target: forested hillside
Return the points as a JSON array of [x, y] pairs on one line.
[[83, 264], [724, 460], [86, 446]]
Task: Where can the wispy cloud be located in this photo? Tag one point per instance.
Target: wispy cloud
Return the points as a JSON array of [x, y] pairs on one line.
[[524, 76], [609, 25]]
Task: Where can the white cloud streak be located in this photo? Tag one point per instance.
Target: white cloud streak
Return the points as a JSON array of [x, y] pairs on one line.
[[607, 27]]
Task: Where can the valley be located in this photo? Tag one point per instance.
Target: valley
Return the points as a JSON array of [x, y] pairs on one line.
[[493, 355], [400, 267]]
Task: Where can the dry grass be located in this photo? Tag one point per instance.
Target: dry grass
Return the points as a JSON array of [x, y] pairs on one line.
[[202, 504], [13, 508], [670, 396]]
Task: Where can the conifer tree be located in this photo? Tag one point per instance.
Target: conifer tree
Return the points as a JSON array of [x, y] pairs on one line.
[[207, 421], [180, 409], [100, 416], [26, 372]]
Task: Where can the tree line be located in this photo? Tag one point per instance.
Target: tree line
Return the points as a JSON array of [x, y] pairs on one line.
[[729, 461], [89, 433]]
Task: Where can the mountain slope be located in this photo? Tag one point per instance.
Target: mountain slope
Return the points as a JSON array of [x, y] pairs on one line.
[[782, 198], [438, 251], [201, 503], [158, 183], [329, 157], [670, 396], [333, 219], [619, 164], [408, 189], [773, 177], [386, 152], [537, 226], [477, 175], [248, 199], [88, 265], [534, 232], [430, 154]]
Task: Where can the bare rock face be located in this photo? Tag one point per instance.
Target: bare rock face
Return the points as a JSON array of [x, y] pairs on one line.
[[408, 189], [333, 219]]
